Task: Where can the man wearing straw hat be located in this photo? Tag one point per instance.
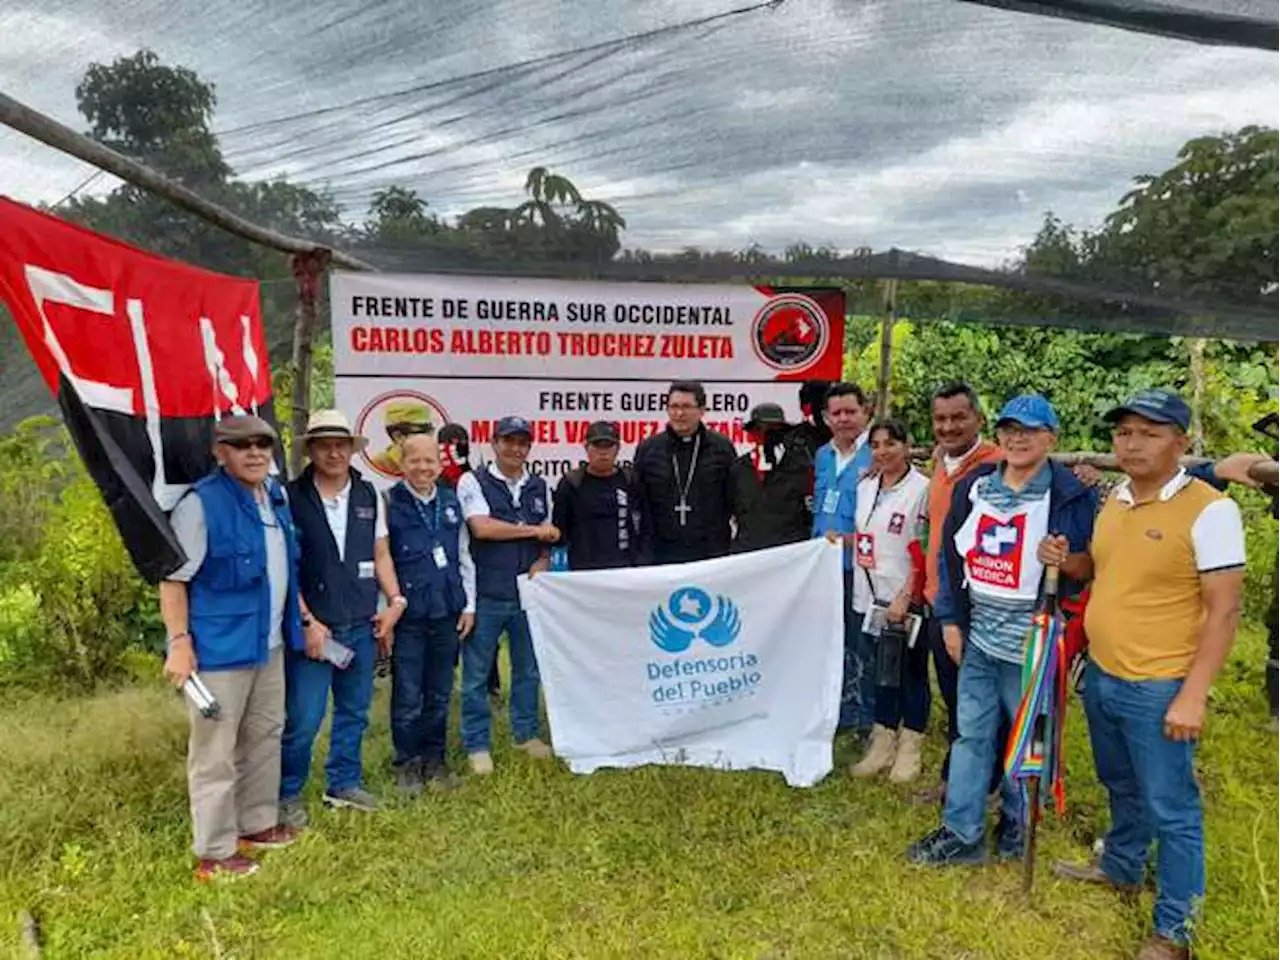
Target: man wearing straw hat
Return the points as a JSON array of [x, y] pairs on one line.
[[344, 560]]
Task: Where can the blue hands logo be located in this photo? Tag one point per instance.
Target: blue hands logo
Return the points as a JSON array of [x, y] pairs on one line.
[[690, 614]]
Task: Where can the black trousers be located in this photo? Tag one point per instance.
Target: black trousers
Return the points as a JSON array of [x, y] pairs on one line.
[[948, 674]]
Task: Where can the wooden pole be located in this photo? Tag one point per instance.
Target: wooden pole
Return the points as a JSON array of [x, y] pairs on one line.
[[1196, 347], [49, 131], [883, 375], [308, 268]]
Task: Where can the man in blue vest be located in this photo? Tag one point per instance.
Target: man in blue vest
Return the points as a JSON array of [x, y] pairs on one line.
[[508, 511], [837, 468], [343, 559], [430, 545], [230, 611]]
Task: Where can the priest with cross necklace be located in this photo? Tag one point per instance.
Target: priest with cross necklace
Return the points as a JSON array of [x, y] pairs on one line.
[[683, 477]]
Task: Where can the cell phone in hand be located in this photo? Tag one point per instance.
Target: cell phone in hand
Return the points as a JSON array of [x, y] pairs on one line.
[[336, 653]]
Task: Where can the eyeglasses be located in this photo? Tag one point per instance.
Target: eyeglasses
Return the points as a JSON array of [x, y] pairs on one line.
[[256, 443]]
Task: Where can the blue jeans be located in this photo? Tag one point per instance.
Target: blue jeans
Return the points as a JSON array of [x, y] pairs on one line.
[[858, 687], [493, 617], [988, 689], [1151, 784], [422, 665], [307, 686]]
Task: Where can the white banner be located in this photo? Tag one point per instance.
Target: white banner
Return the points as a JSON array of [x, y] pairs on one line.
[[732, 663], [562, 353]]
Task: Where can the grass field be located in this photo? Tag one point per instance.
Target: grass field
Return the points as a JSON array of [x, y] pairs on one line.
[[534, 862]]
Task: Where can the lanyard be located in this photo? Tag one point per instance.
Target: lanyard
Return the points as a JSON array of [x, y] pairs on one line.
[[683, 489]]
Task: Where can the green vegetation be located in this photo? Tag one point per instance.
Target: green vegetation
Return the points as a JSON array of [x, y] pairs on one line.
[[650, 863]]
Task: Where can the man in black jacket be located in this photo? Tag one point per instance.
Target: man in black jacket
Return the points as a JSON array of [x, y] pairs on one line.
[[772, 484], [596, 509], [682, 476]]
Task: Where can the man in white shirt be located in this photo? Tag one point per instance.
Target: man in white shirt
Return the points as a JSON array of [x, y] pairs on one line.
[[344, 559], [508, 510]]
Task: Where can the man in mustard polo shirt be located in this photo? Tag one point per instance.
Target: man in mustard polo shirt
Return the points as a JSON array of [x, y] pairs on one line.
[[1167, 561]]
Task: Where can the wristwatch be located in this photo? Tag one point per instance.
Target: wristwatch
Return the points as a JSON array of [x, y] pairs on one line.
[[399, 601]]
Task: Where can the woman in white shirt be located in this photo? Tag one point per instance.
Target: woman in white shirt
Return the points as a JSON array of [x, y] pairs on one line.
[[891, 506]]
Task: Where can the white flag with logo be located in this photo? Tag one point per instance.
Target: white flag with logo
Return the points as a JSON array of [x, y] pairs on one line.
[[732, 663]]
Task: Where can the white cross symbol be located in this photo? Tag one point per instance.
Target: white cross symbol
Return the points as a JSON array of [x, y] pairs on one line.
[[864, 546]]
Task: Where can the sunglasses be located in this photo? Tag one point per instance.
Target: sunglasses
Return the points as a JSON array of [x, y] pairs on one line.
[[256, 443]]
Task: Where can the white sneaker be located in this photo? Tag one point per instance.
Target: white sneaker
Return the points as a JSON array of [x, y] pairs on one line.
[[481, 763], [535, 748], [879, 756], [906, 765]]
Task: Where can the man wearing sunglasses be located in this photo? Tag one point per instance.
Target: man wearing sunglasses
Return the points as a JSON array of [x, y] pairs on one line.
[[229, 611]]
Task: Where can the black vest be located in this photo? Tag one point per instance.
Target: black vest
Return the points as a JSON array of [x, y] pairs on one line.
[[417, 529], [332, 587], [499, 562]]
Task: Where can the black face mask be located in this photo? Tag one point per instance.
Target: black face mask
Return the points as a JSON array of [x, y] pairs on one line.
[[769, 444], [461, 449]]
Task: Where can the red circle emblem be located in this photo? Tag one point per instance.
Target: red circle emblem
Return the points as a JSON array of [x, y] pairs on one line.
[[378, 454], [790, 333]]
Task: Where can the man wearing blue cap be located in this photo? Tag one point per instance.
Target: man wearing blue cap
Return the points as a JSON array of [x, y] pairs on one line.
[[508, 511], [1167, 561], [989, 586]]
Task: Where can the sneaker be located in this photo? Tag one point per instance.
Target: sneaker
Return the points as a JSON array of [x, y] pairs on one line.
[[272, 838], [1162, 948], [232, 868], [481, 763], [1010, 841], [943, 848], [409, 778], [536, 748], [1091, 872], [352, 798], [437, 776], [293, 813], [906, 764], [879, 756]]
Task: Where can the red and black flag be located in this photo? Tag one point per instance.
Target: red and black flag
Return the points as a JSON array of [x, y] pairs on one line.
[[143, 354]]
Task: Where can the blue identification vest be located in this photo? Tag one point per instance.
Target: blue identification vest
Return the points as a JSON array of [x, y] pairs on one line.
[[417, 530], [499, 562], [229, 597], [342, 591]]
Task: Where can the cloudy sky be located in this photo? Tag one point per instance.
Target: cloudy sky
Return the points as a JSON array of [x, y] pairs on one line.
[[931, 125]]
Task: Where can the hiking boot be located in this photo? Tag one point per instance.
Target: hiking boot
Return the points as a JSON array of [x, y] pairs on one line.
[[272, 838], [535, 747], [409, 778], [1010, 841], [293, 813], [1091, 872], [352, 798], [1162, 948], [879, 756], [437, 776], [481, 763], [906, 765], [943, 848], [232, 868]]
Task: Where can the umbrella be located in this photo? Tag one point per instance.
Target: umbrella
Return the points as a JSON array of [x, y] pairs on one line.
[[1034, 751]]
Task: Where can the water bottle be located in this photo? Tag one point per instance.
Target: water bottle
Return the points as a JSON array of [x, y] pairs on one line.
[[199, 694], [559, 559]]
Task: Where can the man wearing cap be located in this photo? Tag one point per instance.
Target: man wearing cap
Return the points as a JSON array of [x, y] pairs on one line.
[[403, 418], [771, 486], [1167, 561], [344, 559], [990, 583], [683, 477], [455, 460], [508, 513], [596, 508], [431, 547], [837, 469], [229, 612]]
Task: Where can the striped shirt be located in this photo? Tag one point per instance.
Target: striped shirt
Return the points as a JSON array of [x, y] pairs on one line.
[[998, 627]]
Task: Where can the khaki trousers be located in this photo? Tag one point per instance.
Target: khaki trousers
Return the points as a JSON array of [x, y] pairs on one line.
[[233, 762]]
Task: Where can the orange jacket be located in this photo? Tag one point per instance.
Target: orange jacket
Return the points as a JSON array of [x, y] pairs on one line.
[[941, 487]]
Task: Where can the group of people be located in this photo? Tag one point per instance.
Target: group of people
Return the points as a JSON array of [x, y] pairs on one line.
[[278, 605]]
